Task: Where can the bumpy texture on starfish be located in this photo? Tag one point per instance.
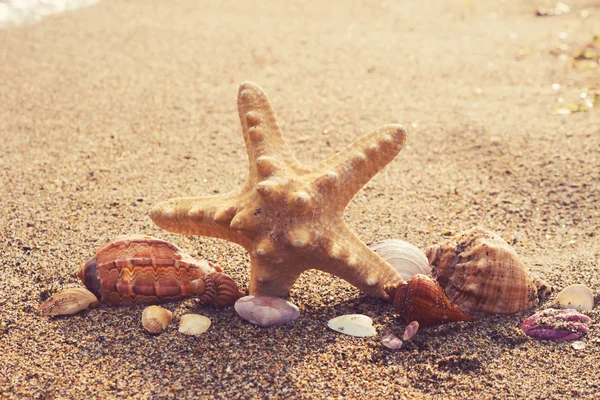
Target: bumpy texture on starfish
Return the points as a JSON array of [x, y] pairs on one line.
[[289, 216]]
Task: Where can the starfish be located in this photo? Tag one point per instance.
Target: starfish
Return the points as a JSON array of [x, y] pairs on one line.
[[289, 216]]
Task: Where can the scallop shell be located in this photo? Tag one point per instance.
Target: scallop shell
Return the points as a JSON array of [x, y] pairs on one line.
[[68, 301], [406, 258], [410, 331], [266, 311], [143, 269], [391, 341], [481, 273], [354, 325], [578, 297], [421, 299], [155, 319], [193, 324], [552, 324]]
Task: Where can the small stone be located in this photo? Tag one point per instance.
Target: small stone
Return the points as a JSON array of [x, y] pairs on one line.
[[391, 341], [578, 345], [411, 330]]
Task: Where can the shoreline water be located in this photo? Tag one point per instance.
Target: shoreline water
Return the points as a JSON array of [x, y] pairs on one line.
[[17, 12]]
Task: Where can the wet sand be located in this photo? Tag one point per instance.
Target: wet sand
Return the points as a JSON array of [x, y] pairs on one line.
[[107, 110]]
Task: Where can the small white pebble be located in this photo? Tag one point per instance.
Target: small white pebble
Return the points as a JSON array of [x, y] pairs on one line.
[[578, 345], [556, 86]]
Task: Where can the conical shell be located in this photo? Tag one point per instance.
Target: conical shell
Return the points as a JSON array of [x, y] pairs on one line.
[[421, 299], [143, 269], [578, 297], [155, 319], [193, 324], [68, 301], [266, 311], [354, 325], [481, 273], [406, 258]]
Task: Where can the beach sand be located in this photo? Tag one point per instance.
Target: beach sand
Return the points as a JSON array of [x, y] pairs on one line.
[[107, 110]]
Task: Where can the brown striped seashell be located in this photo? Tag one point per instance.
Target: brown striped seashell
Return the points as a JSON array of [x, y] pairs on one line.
[[193, 324], [481, 273], [68, 301], [421, 299], [143, 269], [155, 319]]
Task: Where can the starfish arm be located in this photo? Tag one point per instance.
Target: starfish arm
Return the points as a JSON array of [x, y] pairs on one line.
[[268, 279], [267, 150], [350, 259], [205, 216], [343, 174]]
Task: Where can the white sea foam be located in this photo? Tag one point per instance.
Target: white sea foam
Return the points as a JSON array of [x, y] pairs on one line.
[[14, 12]]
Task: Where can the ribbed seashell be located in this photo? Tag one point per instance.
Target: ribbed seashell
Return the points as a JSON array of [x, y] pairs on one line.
[[353, 324], [578, 297], [552, 324], [142, 269], [421, 299], [406, 258], [266, 311], [481, 273], [391, 341], [155, 319], [193, 324], [410, 331], [68, 301]]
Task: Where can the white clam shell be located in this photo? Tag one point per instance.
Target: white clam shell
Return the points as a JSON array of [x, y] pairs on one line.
[[68, 301], [155, 319], [406, 258], [578, 297], [266, 311], [193, 324], [354, 325], [391, 341]]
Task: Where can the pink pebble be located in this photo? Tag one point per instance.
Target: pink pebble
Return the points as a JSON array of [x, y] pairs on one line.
[[411, 330], [391, 342]]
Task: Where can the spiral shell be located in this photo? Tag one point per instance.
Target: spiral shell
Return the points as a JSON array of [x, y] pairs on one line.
[[421, 299], [155, 319], [266, 311], [481, 273], [406, 258], [68, 301], [193, 324], [142, 269]]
